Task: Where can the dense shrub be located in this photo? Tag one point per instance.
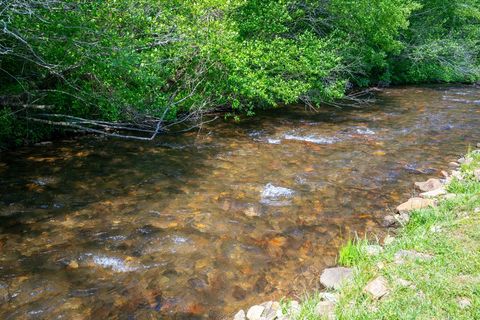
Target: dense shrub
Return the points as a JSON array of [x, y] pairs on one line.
[[146, 60]]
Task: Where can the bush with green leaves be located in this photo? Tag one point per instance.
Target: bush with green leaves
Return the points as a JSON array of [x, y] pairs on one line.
[[149, 60]]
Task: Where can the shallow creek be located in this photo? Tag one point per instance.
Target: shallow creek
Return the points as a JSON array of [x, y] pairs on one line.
[[203, 224]]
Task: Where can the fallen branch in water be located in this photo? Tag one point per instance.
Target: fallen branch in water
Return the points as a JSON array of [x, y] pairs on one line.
[[151, 126]]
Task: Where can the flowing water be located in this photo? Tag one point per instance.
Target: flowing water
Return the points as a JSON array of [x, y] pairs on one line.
[[203, 224]]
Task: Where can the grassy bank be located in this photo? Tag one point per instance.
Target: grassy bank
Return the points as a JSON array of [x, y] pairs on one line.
[[444, 286]]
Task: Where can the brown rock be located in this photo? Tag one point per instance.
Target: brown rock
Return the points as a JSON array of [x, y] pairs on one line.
[[377, 288], [389, 221], [415, 204], [429, 185]]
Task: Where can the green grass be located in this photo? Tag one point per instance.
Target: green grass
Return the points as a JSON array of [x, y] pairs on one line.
[[352, 252], [451, 234]]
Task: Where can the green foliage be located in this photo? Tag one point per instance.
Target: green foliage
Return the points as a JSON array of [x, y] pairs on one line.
[[442, 43], [125, 60]]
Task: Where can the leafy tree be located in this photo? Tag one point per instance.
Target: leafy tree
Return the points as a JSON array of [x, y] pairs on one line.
[[141, 64]]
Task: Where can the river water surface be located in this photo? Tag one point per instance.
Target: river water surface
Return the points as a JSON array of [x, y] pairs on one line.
[[203, 224]]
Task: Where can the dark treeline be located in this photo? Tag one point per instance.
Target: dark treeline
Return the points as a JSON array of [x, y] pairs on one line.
[[116, 64]]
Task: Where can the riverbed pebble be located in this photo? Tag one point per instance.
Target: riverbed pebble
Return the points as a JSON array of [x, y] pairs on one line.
[[252, 212]]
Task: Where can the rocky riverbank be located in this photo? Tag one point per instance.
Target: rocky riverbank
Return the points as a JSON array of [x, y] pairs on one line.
[[440, 202]]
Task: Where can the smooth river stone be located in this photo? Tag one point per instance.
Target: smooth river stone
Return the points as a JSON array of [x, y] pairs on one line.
[[429, 185], [255, 312], [415, 204], [433, 194], [377, 288], [333, 278]]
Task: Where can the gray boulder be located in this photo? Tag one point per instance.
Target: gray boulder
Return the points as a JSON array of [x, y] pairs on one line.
[[429, 185], [333, 278], [377, 288]]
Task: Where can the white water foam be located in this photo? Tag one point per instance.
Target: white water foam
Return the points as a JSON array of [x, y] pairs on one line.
[[312, 139]]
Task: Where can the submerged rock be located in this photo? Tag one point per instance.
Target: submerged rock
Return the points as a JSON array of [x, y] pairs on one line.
[[454, 164], [273, 195], [252, 211], [415, 204], [377, 288], [389, 221], [333, 278], [73, 265], [114, 263]]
